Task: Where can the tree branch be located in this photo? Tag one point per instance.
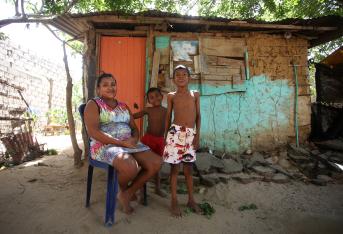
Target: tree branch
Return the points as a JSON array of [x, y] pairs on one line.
[[71, 122], [39, 17], [61, 40], [191, 7], [42, 19], [70, 6], [23, 15], [16, 8], [65, 59], [53, 33]]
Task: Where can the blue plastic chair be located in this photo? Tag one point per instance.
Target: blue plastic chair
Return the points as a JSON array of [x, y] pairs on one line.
[[112, 182]]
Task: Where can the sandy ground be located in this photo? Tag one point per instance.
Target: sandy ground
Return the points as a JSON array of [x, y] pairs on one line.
[[53, 202]]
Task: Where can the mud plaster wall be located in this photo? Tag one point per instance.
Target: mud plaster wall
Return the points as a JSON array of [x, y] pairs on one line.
[[25, 69], [261, 117]]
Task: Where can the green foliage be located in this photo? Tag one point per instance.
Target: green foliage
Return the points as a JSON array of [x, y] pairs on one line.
[[3, 36], [251, 206], [182, 188], [77, 93], [188, 210], [77, 47], [207, 209], [77, 99], [55, 6], [318, 53], [312, 81], [50, 152], [262, 9], [270, 9], [57, 116], [33, 115]]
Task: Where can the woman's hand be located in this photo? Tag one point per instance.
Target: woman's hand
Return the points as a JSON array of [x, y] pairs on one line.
[[130, 143]]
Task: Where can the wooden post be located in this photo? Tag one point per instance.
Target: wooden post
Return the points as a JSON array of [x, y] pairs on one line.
[[89, 70], [246, 59], [150, 49], [155, 68]]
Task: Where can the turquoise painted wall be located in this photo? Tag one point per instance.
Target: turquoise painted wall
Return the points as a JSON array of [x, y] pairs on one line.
[[246, 116], [235, 118]]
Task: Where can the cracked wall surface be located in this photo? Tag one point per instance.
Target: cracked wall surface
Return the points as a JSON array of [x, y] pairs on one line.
[[257, 118], [259, 114]]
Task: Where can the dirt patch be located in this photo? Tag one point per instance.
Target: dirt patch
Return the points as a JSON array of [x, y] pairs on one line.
[[49, 198]]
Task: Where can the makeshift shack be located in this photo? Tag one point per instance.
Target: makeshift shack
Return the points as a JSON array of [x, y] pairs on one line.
[[252, 75]]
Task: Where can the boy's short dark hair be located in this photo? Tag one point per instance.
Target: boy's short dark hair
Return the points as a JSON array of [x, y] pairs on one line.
[[181, 67], [151, 90], [102, 76]]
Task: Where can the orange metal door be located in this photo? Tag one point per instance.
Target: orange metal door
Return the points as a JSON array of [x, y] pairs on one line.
[[124, 58]]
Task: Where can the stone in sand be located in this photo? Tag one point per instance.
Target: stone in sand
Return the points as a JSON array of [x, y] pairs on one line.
[[280, 178], [231, 166], [264, 171]]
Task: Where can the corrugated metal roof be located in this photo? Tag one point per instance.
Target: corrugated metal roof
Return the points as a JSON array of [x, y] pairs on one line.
[[318, 30], [320, 21], [335, 58]]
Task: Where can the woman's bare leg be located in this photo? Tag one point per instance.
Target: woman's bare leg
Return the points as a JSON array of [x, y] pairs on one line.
[[127, 169], [150, 164]]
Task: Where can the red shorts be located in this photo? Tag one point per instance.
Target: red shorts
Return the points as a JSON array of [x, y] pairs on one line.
[[155, 143]]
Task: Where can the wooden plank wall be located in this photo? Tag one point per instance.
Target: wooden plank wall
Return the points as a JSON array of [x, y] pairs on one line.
[[219, 60], [223, 59]]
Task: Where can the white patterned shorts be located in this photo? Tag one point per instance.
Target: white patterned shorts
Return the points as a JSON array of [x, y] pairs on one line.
[[179, 145]]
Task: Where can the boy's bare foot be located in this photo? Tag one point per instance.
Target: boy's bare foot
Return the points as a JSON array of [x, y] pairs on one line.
[[141, 197], [124, 200], [160, 193], [141, 200], [194, 206], [175, 210], [134, 197]]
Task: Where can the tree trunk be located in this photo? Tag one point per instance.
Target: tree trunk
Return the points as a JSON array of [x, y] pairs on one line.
[[84, 132], [16, 6], [85, 142], [51, 83], [69, 91]]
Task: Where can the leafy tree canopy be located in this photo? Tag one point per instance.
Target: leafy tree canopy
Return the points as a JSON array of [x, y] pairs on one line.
[[261, 9], [269, 10]]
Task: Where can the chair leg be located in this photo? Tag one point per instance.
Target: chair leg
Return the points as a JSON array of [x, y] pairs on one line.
[[110, 199], [89, 184], [145, 201], [115, 192]]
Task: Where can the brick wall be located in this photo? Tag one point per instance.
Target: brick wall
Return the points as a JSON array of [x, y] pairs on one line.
[[24, 70]]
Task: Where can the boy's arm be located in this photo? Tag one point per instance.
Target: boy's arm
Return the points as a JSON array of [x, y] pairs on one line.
[[133, 126], [168, 114], [140, 114], [197, 120]]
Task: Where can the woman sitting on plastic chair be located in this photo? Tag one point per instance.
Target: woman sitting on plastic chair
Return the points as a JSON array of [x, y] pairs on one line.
[[114, 136]]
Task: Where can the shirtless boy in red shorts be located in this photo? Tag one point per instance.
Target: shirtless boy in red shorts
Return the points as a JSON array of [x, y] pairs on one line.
[[154, 136]]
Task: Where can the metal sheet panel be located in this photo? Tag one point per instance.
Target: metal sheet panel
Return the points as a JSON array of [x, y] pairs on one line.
[[124, 57]]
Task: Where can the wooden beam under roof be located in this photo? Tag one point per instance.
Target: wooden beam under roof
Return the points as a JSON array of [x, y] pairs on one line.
[[155, 20]]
